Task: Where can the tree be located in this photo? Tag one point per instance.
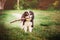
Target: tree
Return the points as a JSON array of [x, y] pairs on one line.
[[2, 2], [26, 4], [9, 4], [18, 4]]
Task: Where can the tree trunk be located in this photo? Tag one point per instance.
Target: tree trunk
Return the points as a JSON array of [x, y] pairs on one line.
[[2, 2], [18, 4], [9, 4]]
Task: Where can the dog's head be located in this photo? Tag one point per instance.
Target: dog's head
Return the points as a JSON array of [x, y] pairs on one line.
[[27, 14]]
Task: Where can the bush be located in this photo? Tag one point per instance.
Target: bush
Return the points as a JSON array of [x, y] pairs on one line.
[[24, 4]]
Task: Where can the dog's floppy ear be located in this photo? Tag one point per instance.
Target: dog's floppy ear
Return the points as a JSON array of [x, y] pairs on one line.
[[23, 17], [24, 14], [32, 13]]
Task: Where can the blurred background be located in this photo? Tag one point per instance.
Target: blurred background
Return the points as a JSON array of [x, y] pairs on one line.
[[29, 4], [46, 21]]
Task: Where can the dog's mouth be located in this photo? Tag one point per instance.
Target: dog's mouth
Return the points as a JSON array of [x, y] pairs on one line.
[[28, 18]]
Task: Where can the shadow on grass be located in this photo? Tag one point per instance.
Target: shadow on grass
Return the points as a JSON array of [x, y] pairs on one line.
[[54, 37], [3, 32]]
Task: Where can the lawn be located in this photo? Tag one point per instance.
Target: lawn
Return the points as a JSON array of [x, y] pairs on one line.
[[46, 25]]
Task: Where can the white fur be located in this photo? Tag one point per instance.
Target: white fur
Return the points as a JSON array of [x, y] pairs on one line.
[[27, 26]]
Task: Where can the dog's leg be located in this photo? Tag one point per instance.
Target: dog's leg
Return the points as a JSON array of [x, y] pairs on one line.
[[30, 29], [25, 28]]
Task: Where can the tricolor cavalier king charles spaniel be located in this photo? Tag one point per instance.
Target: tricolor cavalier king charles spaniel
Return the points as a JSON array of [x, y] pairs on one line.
[[27, 21]]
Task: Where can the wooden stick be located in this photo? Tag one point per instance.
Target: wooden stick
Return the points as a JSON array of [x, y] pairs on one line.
[[15, 21]]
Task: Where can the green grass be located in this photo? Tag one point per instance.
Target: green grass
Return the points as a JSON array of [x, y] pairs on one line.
[[46, 25]]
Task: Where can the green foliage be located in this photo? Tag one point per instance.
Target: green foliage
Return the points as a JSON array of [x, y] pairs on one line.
[[25, 4]]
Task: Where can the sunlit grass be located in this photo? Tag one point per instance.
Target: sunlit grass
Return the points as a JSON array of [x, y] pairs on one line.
[[45, 23]]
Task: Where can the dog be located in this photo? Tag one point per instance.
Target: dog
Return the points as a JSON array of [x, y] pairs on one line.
[[27, 21]]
